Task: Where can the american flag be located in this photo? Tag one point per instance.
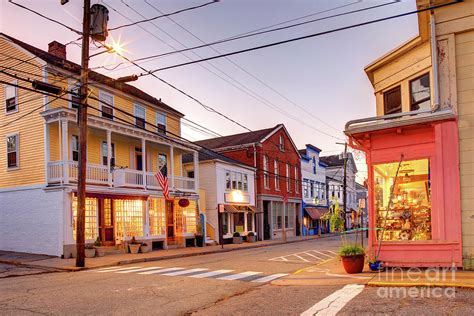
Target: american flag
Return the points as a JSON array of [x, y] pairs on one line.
[[163, 181]]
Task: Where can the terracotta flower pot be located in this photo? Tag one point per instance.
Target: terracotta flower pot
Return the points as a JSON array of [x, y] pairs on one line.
[[134, 248], [353, 264], [90, 253]]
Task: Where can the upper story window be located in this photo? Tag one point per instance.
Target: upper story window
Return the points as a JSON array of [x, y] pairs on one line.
[[277, 174], [11, 99], [392, 101], [297, 180], [104, 154], [161, 122], [420, 93], [75, 148], [140, 116], [281, 146], [163, 164], [106, 105], [266, 176], [236, 181], [12, 151], [288, 176], [314, 165], [75, 99]]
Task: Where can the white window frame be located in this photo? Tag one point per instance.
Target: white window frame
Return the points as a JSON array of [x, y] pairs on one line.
[[297, 180], [159, 122], [276, 168], [288, 177], [17, 149], [281, 145], [72, 87], [72, 147], [136, 112], [17, 106], [112, 155], [112, 104], [266, 175]]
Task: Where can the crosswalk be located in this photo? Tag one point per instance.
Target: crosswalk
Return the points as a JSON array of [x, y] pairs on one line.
[[197, 273], [309, 256]]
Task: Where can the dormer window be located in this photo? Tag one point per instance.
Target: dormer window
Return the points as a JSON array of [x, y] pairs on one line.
[[392, 101], [282, 143], [420, 93]]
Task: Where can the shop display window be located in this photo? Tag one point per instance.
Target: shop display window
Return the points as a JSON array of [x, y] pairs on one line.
[[407, 217]]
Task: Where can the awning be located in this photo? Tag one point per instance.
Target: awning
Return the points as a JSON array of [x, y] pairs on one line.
[[316, 213], [229, 208]]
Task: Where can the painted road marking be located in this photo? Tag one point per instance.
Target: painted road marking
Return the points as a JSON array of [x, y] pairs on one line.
[[161, 271], [210, 274], [322, 253], [139, 270], [333, 303], [307, 253], [307, 256], [184, 272], [269, 278], [117, 269], [303, 259], [239, 275]]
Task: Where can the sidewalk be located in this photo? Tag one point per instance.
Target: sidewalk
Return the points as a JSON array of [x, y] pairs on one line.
[[43, 261]]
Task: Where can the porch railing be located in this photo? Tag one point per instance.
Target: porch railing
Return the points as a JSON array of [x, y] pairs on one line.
[[128, 178], [95, 173]]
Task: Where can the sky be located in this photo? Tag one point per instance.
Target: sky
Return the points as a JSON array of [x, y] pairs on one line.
[[313, 86]]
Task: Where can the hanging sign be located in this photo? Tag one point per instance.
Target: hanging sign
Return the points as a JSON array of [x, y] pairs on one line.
[[183, 202]]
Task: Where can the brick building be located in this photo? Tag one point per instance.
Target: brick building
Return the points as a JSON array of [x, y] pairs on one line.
[[278, 176]]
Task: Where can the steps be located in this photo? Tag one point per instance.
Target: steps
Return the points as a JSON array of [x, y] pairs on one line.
[[210, 242], [112, 250]]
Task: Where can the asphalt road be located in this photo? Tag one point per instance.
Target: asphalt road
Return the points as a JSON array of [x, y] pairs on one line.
[[247, 282]]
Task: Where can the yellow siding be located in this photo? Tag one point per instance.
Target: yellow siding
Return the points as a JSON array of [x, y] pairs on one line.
[[30, 129], [54, 140]]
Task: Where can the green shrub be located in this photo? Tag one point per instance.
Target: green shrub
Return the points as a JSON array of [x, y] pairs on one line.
[[236, 234], [251, 234], [351, 250], [97, 242]]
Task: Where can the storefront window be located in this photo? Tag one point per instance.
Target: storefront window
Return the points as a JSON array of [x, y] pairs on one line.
[[157, 216], [91, 218], [129, 218], [186, 219], [239, 224], [249, 221], [408, 217]]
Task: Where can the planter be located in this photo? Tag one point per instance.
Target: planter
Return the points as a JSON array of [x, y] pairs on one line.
[[353, 264], [134, 248], [100, 251], [199, 241], [375, 266], [251, 238], [90, 253], [237, 240], [144, 248]]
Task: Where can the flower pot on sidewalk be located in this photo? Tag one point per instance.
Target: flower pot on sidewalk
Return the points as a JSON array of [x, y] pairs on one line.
[[144, 248], [237, 239], [251, 237], [134, 248], [89, 252], [353, 264]]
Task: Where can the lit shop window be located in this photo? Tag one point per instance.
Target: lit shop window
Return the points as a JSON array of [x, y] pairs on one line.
[[186, 219], [129, 218], [408, 216], [157, 216], [91, 218]]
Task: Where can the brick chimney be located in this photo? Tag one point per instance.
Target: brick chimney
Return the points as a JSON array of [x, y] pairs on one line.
[[57, 49]]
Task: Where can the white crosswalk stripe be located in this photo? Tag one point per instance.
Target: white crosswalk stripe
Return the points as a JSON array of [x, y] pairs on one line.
[[309, 256], [210, 274], [269, 278], [161, 271], [183, 272], [115, 270], [239, 275], [139, 270]]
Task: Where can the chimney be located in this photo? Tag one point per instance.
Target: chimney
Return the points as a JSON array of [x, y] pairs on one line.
[[57, 49]]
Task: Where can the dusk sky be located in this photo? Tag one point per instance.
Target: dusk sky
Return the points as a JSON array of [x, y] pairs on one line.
[[324, 75]]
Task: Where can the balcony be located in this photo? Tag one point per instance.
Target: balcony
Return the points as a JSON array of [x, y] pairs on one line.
[[63, 173]]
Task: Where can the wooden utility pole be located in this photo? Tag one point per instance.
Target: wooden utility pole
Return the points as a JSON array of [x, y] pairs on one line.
[[344, 186], [82, 124]]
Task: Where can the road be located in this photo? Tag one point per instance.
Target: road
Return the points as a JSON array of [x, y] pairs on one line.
[[246, 282]]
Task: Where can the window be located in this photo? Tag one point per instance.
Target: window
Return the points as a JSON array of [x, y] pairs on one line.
[[12, 151], [282, 143], [191, 174], [75, 148], [420, 93], [305, 189], [75, 97], [11, 99], [106, 105], [228, 184], [277, 215], [140, 116], [392, 101], [297, 180], [236, 181], [409, 216], [163, 164], [312, 189], [266, 175], [245, 182], [104, 154], [288, 176], [157, 216], [129, 218], [314, 165], [91, 210], [161, 122], [277, 174]]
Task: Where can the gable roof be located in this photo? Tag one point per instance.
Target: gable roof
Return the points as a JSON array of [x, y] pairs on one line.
[[336, 161], [93, 76], [209, 155]]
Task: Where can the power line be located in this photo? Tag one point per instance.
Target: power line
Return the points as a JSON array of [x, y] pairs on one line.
[[298, 38], [45, 17], [164, 15]]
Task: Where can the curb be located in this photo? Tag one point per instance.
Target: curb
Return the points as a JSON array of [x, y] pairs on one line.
[[420, 284]]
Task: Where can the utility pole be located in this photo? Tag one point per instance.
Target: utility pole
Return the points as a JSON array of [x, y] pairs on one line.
[[82, 124], [344, 183]]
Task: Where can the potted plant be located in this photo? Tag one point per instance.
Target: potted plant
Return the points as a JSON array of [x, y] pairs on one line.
[[134, 245], [353, 257], [98, 247], [375, 264], [251, 237], [144, 248], [237, 239], [199, 236], [89, 251]]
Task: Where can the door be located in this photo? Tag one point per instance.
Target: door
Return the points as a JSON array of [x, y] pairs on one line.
[[138, 159], [266, 221], [106, 222], [169, 220]]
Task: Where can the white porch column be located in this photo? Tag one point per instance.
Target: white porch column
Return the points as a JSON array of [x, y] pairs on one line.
[[47, 151], [63, 125], [245, 222], [146, 229], [196, 171], [144, 161], [109, 156], [171, 168]]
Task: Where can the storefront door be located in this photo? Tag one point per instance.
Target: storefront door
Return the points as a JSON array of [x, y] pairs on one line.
[[170, 233], [106, 222]]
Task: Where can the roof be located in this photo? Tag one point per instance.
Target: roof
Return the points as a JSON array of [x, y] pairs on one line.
[[209, 155], [93, 76], [236, 139], [302, 152], [313, 147], [336, 161]]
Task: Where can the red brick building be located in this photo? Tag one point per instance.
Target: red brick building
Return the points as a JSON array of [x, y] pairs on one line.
[[278, 177]]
